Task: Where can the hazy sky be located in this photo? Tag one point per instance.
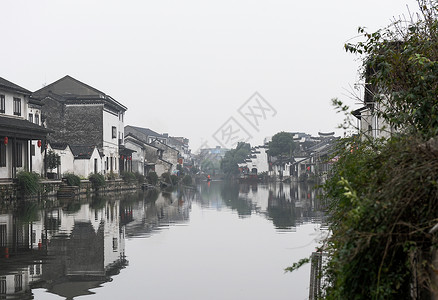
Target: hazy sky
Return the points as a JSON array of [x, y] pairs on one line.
[[187, 67]]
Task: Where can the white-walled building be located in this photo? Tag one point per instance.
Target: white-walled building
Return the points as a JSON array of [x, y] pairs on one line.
[[257, 161], [84, 116], [21, 133], [79, 160]]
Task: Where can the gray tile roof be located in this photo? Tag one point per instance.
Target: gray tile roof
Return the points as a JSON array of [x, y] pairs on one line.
[[22, 127], [13, 87], [82, 151], [146, 131]]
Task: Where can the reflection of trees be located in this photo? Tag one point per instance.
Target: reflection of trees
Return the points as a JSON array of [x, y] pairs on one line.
[[28, 211], [281, 212], [230, 196], [155, 210], [70, 205], [98, 201]]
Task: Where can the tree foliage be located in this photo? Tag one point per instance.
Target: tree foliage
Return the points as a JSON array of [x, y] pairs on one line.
[[152, 178], [53, 160], [28, 183], [400, 64], [383, 204], [233, 157], [282, 144], [383, 194], [72, 179], [97, 181]]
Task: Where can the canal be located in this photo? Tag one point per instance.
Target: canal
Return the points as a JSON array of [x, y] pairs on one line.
[[215, 241]]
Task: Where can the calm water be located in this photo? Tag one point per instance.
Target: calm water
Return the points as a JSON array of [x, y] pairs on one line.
[[218, 241]]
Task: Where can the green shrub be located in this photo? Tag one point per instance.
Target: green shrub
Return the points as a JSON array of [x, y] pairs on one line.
[[140, 177], [165, 177], [53, 160], [72, 179], [152, 178], [28, 182], [152, 195], [128, 177], [187, 180], [97, 181], [174, 179]]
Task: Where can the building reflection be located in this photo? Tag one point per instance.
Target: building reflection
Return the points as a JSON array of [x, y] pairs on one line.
[[73, 246], [157, 211], [287, 205]]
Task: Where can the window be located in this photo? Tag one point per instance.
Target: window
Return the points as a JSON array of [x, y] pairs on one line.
[[19, 153], [31, 118], [37, 119], [18, 280], [3, 236], [3, 285], [115, 244], [32, 149], [2, 155], [17, 106], [114, 129], [2, 104]]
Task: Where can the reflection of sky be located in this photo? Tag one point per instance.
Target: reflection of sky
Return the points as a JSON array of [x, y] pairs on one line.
[[230, 246], [216, 256]]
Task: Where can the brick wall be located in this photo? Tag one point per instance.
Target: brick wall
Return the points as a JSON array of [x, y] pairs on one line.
[[75, 125], [84, 125]]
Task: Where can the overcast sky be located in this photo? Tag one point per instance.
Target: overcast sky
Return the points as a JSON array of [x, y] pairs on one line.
[[188, 67]]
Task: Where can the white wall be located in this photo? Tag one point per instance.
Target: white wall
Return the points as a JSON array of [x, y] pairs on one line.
[[110, 144], [137, 157], [121, 127], [161, 167], [260, 162], [67, 159], [37, 159], [9, 103], [85, 167]]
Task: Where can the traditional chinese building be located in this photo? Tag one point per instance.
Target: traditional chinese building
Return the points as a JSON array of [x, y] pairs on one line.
[[21, 133], [84, 116]]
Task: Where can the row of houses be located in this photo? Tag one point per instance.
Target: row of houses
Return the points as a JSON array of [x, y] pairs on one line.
[[84, 126], [312, 157]]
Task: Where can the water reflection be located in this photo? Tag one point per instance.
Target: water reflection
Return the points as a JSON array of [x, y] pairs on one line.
[[287, 205], [71, 247]]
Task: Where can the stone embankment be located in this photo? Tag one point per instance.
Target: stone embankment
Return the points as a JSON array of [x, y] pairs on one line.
[[50, 188]]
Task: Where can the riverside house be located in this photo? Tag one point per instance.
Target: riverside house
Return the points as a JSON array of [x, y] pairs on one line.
[[83, 116], [147, 157], [22, 138]]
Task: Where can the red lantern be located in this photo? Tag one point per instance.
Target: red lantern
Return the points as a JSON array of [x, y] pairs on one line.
[[121, 157], [39, 143], [5, 140]]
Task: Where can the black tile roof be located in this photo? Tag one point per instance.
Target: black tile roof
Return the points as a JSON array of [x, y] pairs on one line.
[[22, 128], [82, 151], [13, 87], [58, 146], [146, 131], [99, 95]]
